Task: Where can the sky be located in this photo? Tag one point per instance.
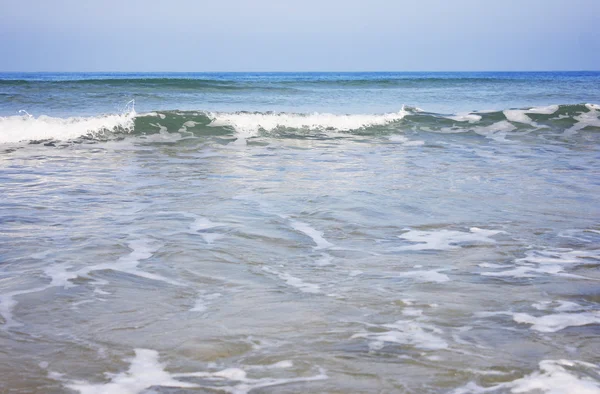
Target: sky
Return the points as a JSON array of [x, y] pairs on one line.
[[299, 35]]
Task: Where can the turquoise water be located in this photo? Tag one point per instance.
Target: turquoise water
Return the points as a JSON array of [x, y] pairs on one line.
[[91, 94], [313, 232]]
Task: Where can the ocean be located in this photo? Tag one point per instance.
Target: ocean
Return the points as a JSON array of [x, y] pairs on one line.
[[300, 232]]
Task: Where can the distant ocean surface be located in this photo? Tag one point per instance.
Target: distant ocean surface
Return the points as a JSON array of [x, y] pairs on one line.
[[300, 232]]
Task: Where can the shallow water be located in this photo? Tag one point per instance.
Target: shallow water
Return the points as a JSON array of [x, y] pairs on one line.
[[407, 252]]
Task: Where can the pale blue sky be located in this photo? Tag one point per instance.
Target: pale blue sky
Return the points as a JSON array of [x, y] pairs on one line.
[[300, 35]]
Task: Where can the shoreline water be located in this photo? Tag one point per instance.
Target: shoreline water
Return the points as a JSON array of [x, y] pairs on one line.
[[346, 244]]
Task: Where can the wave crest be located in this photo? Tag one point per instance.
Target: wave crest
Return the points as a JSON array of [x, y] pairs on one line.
[[563, 120], [29, 128]]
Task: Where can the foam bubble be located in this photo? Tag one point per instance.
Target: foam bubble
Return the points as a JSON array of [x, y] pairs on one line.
[[27, 128], [586, 119], [446, 239], [412, 333], [554, 377], [552, 262], [557, 322], [145, 371], [570, 314], [559, 305]]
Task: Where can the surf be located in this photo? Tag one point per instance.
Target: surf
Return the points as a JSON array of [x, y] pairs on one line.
[[564, 119]]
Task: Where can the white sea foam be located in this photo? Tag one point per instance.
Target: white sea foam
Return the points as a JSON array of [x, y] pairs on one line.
[[248, 124], [558, 305], [145, 371], [27, 128], [548, 262], [425, 276], [8, 303], [554, 377], [413, 312], [465, 117], [446, 239], [294, 281], [496, 131], [587, 235], [586, 119], [315, 235], [282, 364], [405, 141], [204, 301], [406, 332], [559, 321], [519, 116], [201, 224], [570, 314], [61, 276], [140, 250], [325, 260], [492, 265], [548, 110]]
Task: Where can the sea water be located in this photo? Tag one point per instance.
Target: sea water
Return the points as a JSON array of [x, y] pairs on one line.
[[307, 232]]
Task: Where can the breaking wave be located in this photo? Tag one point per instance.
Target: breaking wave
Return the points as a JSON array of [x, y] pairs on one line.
[[564, 120]]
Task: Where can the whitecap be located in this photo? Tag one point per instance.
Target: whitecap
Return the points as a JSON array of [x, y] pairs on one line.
[[248, 124], [27, 128]]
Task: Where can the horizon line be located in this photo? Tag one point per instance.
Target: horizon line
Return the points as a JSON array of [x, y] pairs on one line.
[[296, 72]]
